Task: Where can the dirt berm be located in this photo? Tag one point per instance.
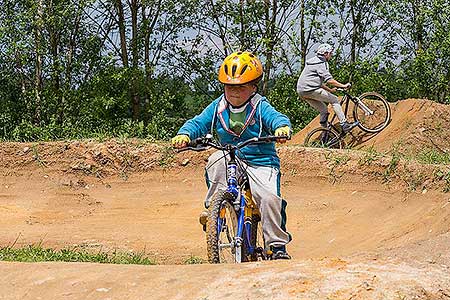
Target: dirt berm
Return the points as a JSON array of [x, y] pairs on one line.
[[365, 224], [416, 125]]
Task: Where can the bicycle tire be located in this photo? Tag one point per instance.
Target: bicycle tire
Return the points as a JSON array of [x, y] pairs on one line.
[[256, 238], [324, 138], [217, 241], [381, 112]]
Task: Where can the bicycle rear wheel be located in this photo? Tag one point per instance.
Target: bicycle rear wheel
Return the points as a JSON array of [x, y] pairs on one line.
[[221, 231], [324, 138], [372, 111]]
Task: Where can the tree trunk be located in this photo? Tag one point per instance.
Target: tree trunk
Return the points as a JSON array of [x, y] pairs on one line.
[[123, 39], [135, 99], [242, 33], [54, 36], [270, 35], [303, 46], [354, 34], [418, 23], [38, 66], [222, 30]]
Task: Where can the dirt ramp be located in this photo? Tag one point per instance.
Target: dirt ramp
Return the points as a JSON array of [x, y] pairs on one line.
[[325, 279], [416, 125]]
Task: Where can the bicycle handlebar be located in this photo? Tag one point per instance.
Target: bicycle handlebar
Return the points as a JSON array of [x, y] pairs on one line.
[[344, 89], [203, 143]]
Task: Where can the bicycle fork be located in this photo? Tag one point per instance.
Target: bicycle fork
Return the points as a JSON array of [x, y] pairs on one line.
[[365, 108]]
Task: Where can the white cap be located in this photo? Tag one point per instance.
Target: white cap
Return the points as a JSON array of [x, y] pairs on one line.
[[324, 48]]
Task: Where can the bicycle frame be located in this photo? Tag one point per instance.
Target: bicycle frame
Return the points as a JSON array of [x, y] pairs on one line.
[[242, 197], [345, 103], [355, 100], [237, 194]]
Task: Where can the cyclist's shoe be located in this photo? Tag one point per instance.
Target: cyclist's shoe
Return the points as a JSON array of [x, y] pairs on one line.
[[346, 126], [280, 253], [203, 218]]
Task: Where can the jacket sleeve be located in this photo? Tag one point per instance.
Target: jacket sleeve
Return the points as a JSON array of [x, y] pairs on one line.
[[200, 124], [271, 118], [324, 72]]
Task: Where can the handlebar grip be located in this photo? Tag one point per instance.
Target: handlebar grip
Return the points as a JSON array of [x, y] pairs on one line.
[[195, 142]]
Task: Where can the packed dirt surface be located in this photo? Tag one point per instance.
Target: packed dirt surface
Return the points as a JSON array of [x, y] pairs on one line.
[[365, 225]]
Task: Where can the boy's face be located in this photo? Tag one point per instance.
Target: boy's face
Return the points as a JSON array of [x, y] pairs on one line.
[[238, 94]]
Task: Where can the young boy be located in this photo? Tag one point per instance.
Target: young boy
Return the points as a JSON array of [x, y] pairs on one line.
[[312, 87], [238, 115]]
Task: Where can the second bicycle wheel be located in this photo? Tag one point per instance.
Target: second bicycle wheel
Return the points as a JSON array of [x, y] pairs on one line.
[[372, 112], [221, 231], [324, 138]]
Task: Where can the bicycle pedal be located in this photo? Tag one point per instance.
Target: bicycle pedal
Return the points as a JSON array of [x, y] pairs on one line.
[[203, 218]]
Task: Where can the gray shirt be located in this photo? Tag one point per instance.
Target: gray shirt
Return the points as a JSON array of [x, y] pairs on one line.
[[315, 73]]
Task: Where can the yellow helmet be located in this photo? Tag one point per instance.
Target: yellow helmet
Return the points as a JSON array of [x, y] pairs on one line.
[[240, 68]]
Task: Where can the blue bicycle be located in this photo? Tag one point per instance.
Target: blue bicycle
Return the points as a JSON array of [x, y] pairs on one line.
[[233, 228]]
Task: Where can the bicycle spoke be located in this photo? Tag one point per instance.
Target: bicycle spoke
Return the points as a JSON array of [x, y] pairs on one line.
[[227, 237], [323, 138]]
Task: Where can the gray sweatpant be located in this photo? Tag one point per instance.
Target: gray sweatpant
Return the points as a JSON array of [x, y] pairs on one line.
[[319, 99], [265, 186]]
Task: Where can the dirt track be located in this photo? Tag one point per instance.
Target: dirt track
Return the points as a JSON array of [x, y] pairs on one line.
[[356, 235]]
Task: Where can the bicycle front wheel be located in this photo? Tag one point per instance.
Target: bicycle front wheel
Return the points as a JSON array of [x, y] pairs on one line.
[[372, 112], [256, 239], [324, 138], [221, 232]]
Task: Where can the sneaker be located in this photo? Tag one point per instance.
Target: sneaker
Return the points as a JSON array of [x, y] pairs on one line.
[[280, 253], [346, 126], [203, 218]]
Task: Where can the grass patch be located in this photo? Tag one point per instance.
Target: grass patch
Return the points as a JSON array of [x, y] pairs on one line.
[[433, 156], [370, 156], [167, 156], [36, 253], [194, 260], [445, 177], [334, 161], [390, 169]]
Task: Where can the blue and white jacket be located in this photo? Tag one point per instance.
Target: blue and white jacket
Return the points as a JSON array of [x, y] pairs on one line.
[[261, 120]]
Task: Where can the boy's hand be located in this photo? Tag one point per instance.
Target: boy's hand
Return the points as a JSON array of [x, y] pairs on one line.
[[180, 141], [283, 131]]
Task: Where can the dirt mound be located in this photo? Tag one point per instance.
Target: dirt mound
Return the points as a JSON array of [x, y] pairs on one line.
[[356, 236], [416, 125], [80, 162], [366, 225], [322, 279]]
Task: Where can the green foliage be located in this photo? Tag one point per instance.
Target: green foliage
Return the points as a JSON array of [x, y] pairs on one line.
[[86, 90], [433, 156], [167, 156], [194, 260], [283, 96], [389, 172], [445, 177], [37, 253]]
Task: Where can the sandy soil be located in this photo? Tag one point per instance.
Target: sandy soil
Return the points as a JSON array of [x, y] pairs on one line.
[[359, 231]]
